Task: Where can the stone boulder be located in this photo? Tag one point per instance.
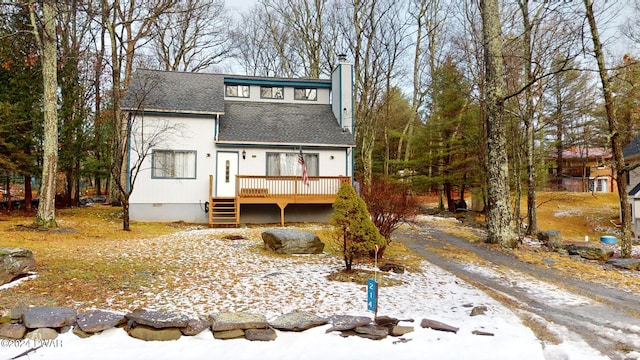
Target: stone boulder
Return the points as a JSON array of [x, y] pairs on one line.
[[49, 317], [551, 239], [15, 262], [94, 321], [158, 319], [292, 241], [629, 264], [297, 321], [590, 252]]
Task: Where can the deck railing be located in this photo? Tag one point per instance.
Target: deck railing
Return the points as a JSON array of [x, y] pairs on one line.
[[248, 186]]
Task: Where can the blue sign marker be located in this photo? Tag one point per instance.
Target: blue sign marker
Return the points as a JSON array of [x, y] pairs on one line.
[[372, 295]]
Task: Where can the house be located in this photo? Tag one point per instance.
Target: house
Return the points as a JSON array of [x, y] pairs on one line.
[[225, 149], [582, 170], [631, 154]]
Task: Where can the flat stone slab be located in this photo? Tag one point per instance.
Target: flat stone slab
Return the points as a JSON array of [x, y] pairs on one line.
[[292, 241], [15, 262], [629, 264], [437, 325], [400, 330], [94, 321], [373, 332], [149, 333], [297, 321], [235, 321], [195, 327], [12, 331], [42, 334], [347, 322], [158, 319], [260, 334], [228, 334], [49, 317]]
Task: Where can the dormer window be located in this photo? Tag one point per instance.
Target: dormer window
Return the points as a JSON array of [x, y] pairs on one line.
[[237, 91], [272, 92], [310, 94]]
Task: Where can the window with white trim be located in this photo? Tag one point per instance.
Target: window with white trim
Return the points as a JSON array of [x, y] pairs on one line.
[[173, 164], [237, 91], [286, 164], [272, 92], [310, 94]]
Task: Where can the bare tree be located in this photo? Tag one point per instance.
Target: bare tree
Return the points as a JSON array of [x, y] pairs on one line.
[[47, 44], [614, 131], [261, 46], [139, 138], [192, 37]]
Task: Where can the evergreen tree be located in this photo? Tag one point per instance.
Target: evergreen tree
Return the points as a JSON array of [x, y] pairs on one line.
[[353, 226]]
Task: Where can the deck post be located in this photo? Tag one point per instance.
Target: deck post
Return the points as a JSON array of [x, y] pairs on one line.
[[282, 206]]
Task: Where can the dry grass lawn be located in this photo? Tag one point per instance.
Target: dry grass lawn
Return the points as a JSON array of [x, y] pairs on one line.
[[90, 261]]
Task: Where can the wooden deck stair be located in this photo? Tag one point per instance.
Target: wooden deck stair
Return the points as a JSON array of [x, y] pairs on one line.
[[223, 212]]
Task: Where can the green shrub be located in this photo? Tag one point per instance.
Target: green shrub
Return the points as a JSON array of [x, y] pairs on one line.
[[354, 228]]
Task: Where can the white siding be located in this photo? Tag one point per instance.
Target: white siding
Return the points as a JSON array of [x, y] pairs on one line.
[[196, 134], [330, 162]]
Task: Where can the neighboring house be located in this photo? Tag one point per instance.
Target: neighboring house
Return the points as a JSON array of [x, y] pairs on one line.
[[224, 149], [631, 154], [582, 170]]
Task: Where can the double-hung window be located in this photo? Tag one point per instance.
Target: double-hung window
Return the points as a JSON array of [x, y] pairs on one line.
[[173, 164], [286, 164]]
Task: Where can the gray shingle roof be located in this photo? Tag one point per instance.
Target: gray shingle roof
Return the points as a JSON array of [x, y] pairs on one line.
[[180, 92], [632, 148], [281, 123]]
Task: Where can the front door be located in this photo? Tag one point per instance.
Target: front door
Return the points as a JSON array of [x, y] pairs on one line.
[[226, 174]]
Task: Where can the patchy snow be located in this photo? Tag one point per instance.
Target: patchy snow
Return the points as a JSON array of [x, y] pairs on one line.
[[30, 276], [243, 277]]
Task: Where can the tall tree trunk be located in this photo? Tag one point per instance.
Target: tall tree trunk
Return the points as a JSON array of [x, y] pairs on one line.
[[499, 228], [46, 215], [616, 146], [532, 218], [28, 197]]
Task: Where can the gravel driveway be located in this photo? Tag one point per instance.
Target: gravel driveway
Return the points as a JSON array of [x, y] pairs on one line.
[[604, 317]]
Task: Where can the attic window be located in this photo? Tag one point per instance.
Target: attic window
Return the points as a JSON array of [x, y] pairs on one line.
[[272, 92], [306, 94], [237, 91]]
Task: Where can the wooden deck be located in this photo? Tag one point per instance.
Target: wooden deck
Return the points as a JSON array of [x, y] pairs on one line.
[[280, 190]]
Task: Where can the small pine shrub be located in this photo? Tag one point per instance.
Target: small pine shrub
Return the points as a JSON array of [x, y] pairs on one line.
[[354, 228]]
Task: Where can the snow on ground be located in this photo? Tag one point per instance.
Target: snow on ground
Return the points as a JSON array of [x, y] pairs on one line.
[[207, 274]]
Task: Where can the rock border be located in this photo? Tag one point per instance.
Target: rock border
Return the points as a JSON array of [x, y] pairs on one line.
[[45, 323]]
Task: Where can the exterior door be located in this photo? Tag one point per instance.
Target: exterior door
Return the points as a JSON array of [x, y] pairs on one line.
[[226, 174]]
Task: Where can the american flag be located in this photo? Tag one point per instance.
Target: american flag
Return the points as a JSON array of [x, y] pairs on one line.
[[305, 177]]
